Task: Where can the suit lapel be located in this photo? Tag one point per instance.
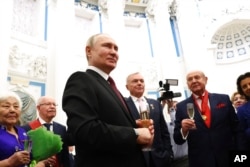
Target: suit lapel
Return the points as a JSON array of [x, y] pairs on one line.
[[151, 108], [133, 108], [106, 85], [197, 115], [55, 128], [212, 102]]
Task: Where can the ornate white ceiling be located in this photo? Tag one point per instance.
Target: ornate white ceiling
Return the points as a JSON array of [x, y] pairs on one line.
[[233, 41], [130, 5], [229, 20]]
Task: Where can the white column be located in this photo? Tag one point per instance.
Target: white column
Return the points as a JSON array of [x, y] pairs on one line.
[[190, 20], [114, 25], [5, 31], [115, 21], [172, 67], [60, 50]]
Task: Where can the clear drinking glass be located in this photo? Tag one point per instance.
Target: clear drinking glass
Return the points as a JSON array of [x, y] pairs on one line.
[[27, 144], [190, 111], [145, 119]]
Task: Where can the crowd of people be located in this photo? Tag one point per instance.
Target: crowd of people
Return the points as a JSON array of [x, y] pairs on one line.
[[213, 131], [13, 152], [106, 129]]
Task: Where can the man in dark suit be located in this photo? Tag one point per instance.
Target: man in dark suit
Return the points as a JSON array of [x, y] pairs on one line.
[[72, 156], [46, 107], [103, 129], [162, 153], [214, 130]]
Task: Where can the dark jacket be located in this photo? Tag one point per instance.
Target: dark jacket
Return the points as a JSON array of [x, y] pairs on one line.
[[162, 153], [102, 128], [209, 147]]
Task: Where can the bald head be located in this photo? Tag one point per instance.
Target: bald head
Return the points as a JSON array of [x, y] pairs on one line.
[[196, 81]]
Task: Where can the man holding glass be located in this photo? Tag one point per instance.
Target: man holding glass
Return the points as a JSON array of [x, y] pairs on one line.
[[104, 131], [213, 131], [160, 153]]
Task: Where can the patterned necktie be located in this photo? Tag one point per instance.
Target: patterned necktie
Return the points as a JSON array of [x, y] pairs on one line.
[[47, 125], [140, 103], [205, 110], [113, 86]]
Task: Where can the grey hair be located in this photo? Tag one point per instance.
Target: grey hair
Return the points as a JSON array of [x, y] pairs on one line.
[[128, 77], [4, 95], [92, 39]]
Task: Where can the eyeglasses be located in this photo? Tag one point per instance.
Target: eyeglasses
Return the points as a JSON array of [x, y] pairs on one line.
[[48, 104]]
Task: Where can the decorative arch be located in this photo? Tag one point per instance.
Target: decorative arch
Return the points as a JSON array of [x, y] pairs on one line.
[[232, 41]]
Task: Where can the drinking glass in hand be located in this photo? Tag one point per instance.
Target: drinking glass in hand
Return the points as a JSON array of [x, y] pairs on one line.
[[27, 144], [145, 120], [144, 115], [190, 111]]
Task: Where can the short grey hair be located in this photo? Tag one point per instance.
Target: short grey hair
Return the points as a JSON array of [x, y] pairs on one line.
[[4, 95]]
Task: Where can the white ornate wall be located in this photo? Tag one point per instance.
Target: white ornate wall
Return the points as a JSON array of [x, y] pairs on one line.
[[44, 43], [204, 20]]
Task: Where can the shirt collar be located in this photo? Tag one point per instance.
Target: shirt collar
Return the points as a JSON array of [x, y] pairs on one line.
[[197, 97], [43, 122], [99, 71], [135, 98]]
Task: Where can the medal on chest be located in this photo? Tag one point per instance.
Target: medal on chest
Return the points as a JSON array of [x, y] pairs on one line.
[[204, 117]]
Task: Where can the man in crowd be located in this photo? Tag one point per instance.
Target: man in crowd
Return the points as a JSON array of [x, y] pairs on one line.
[[213, 131], [46, 107], [161, 154], [180, 151], [104, 131]]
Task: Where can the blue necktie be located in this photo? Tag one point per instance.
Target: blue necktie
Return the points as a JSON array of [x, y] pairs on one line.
[[47, 125]]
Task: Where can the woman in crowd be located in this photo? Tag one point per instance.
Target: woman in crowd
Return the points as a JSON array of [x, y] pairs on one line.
[[238, 99], [12, 136], [243, 112], [12, 152]]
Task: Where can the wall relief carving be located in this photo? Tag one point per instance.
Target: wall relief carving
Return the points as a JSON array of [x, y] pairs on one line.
[[23, 61]]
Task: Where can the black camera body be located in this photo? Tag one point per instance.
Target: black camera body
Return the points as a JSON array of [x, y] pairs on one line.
[[165, 89]]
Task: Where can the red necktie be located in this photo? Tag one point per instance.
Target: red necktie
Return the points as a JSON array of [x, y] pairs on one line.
[[205, 110], [113, 86]]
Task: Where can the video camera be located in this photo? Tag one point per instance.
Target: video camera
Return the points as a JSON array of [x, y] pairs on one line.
[[164, 89]]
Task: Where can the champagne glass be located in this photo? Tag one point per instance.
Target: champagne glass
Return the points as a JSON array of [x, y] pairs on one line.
[[144, 115], [27, 144], [190, 111], [145, 119]]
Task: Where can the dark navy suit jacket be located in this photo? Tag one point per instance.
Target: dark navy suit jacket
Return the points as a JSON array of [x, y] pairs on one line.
[[63, 155], [243, 113], [162, 154], [209, 147]]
